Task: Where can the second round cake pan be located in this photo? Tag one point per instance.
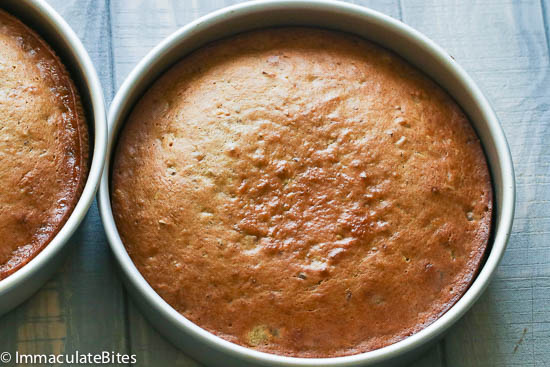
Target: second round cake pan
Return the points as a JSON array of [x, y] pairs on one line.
[[44, 20]]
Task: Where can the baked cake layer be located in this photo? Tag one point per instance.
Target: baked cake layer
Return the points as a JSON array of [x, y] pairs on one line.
[[43, 144], [302, 192]]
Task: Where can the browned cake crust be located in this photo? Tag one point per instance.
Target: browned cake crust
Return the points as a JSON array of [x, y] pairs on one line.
[[43, 145], [302, 192]]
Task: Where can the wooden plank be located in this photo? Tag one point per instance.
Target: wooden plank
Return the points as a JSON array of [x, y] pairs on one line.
[[539, 202], [131, 43], [504, 46], [81, 307]]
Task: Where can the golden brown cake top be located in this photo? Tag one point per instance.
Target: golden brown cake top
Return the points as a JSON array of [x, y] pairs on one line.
[[302, 192], [43, 144]]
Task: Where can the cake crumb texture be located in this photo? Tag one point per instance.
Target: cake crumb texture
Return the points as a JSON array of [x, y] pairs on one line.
[[43, 144], [302, 192]]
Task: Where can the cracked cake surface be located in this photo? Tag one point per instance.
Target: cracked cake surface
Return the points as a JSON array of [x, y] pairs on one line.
[[43, 144], [302, 192]]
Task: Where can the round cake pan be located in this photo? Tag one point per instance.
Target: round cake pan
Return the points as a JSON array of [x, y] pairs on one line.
[[39, 16], [369, 24]]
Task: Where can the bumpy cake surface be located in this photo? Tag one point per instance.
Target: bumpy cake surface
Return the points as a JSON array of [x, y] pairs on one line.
[[302, 192], [43, 144]]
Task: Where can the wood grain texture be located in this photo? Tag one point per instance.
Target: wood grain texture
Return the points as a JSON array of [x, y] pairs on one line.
[[503, 44]]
